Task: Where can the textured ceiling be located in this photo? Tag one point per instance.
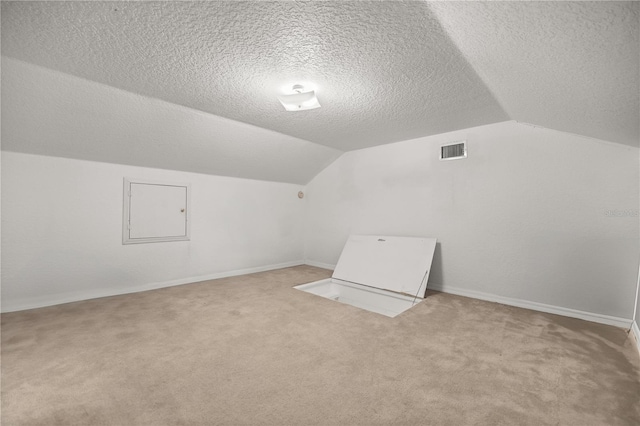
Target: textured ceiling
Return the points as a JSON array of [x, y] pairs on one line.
[[383, 71], [52, 113], [571, 66]]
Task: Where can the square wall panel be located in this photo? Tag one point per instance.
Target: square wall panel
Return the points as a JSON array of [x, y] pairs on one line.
[[155, 211]]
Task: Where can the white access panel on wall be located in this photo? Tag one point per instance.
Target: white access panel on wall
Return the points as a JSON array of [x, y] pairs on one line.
[[155, 211]]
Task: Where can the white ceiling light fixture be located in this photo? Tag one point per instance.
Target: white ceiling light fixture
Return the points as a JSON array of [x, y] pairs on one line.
[[299, 100]]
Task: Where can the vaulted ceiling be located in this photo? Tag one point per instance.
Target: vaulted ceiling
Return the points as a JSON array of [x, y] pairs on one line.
[[383, 71]]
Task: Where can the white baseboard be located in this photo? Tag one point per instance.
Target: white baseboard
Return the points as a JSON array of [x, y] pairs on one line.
[[635, 331], [535, 306], [50, 300], [320, 264]]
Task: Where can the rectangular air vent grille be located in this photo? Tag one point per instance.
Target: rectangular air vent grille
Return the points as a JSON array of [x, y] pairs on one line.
[[453, 151]]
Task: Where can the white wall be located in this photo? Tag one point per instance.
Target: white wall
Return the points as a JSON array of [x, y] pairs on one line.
[[524, 217], [62, 230], [637, 309]]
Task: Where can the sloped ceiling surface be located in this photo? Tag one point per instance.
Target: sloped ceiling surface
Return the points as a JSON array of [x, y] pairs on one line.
[[383, 71], [56, 114], [571, 66]]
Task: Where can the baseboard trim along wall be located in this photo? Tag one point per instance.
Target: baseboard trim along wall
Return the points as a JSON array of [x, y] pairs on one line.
[[320, 264], [535, 306], [635, 331], [50, 300]]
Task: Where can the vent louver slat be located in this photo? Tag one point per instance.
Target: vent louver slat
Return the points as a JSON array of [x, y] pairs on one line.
[[453, 151]]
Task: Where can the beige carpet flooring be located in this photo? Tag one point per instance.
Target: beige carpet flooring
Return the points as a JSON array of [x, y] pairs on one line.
[[251, 350]]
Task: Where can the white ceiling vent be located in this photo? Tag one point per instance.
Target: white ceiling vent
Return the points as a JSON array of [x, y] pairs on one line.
[[453, 151]]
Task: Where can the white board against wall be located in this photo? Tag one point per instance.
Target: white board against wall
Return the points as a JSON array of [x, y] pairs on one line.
[[155, 211], [400, 264]]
